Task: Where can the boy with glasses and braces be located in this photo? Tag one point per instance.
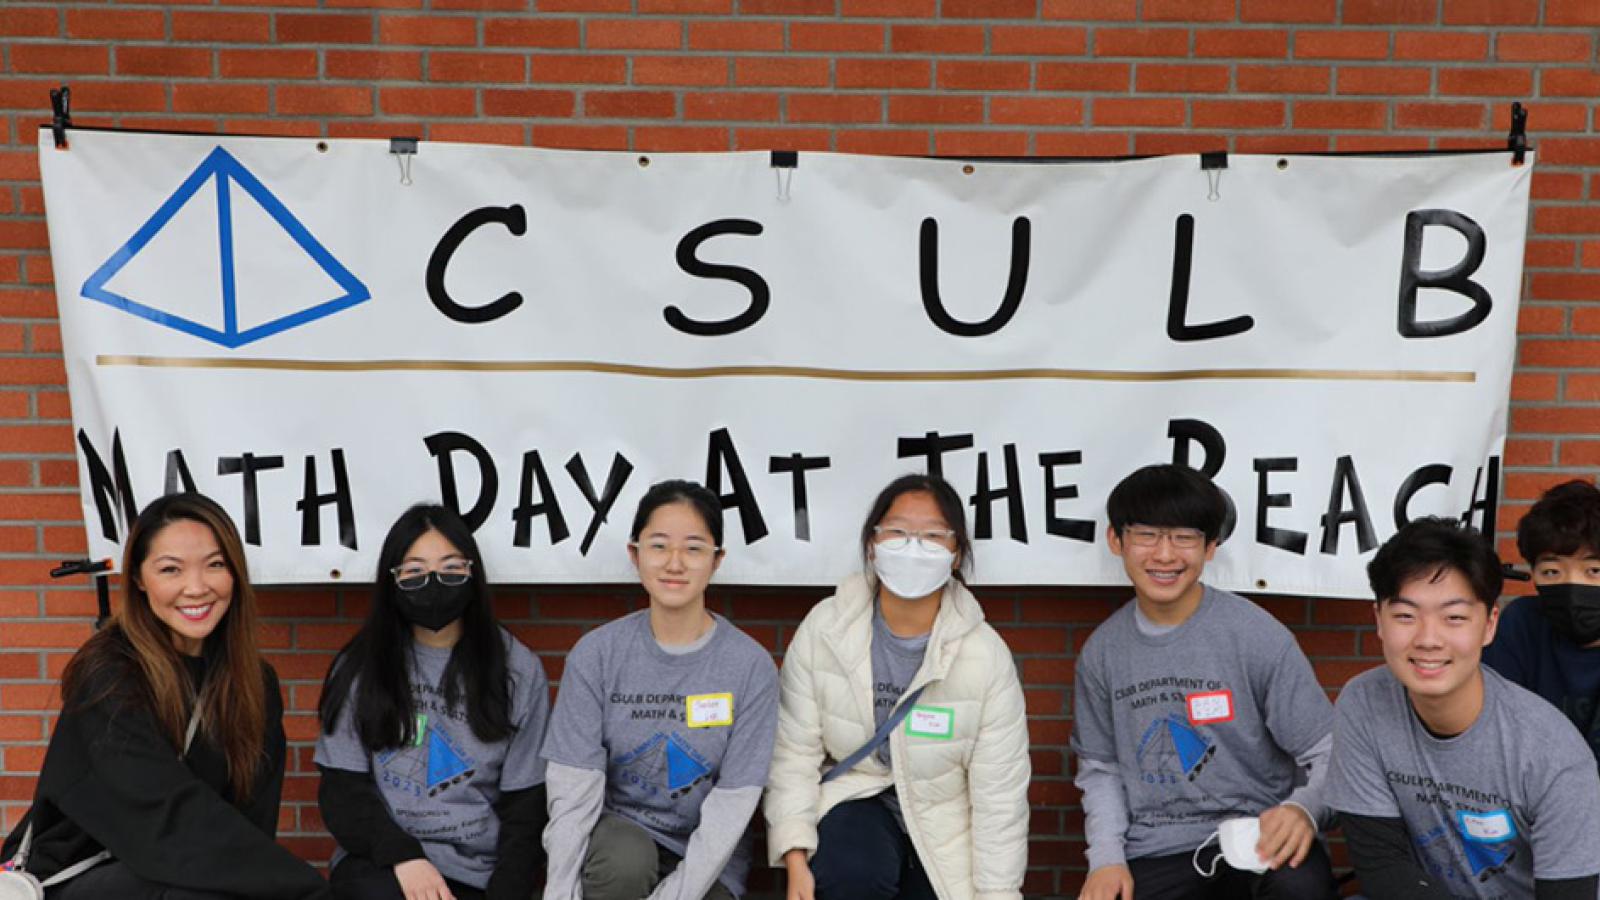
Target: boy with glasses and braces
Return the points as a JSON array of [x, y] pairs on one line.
[[1193, 706]]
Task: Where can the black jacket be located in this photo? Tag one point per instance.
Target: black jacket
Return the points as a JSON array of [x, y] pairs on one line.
[[111, 779]]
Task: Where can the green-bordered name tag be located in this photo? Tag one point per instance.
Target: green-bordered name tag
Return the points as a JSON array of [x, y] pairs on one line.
[[937, 722]]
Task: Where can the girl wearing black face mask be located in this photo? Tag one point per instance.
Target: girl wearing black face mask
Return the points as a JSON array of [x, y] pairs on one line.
[[432, 719]]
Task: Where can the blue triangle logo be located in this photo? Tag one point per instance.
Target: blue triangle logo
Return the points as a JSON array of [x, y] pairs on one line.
[[444, 763], [228, 173], [683, 769]]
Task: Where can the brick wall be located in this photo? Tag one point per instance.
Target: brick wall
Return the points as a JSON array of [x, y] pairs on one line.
[[947, 77]]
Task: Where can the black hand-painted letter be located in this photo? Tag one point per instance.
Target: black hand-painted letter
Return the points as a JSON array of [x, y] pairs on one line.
[[1456, 278], [1016, 282], [515, 221], [760, 294]]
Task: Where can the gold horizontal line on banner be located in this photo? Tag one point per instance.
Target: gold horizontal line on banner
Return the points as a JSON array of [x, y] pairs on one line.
[[604, 368]]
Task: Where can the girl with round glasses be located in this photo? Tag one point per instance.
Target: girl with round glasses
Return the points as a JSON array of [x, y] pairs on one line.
[[432, 717], [663, 729], [164, 772], [901, 767]]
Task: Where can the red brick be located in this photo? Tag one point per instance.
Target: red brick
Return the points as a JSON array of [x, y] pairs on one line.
[[629, 104], [1550, 116], [212, 98], [1154, 78], [1237, 114], [1549, 254], [1571, 12], [781, 72], [1383, 80], [221, 27], [65, 59], [101, 24], [306, 28], [938, 39], [988, 9], [836, 37], [267, 63], [834, 108], [1443, 46], [1491, 12], [909, 142], [1038, 40], [1530, 388], [1566, 220], [374, 65], [935, 109], [551, 34], [1137, 112], [41, 634], [1051, 112], [164, 61], [786, 7], [1188, 10], [1177, 142], [955, 75], [1526, 47], [1590, 252], [736, 35], [1260, 44], [478, 133], [681, 70], [1530, 453], [1391, 12], [320, 100], [1566, 286], [1586, 321], [1431, 116], [1092, 77], [500, 68], [41, 21], [1576, 353], [1283, 79], [425, 102], [1341, 45], [1583, 151], [1580, 453], [1141, 42], [1582, 389], [1299, 11], [1338, 114], [577, 69], [884, 73], [584, 6], [428, 31], [730, 107], [781, 139], [896, 9], [633, 34], [1091, 10], [1495, 82], [679, 139]]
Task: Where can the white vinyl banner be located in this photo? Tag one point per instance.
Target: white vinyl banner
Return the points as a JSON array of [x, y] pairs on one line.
[[320, 333]]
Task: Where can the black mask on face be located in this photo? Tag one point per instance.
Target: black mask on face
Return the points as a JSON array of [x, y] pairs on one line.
[[434, 605], [1573, 610]]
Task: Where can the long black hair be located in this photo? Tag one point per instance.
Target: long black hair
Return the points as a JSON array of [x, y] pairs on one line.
[[377, 661]]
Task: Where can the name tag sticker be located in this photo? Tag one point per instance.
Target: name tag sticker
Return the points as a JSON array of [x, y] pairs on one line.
[[931, 722], [708, 710], [1210, 708], [1486, 828]]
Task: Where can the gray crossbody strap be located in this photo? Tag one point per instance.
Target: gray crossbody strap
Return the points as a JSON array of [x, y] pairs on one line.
[[877, 739]]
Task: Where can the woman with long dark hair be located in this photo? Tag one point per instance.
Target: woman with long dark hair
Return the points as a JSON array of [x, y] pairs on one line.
[[432, 717], [901, 769], [169, 753], [662, 732]]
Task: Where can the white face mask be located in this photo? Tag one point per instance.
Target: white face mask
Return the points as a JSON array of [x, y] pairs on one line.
[[912, 572]]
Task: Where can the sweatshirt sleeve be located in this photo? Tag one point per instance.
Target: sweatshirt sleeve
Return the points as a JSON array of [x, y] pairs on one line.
[[267, 792], [794, 784], [1380, 849], [359, 820], [1105, 812], [519, 854], [1311, 795], [997, 786], [724, 816], [144, 805], [576, 797]]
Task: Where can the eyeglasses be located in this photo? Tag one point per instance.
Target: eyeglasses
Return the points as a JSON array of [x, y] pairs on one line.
[[1182, 538], [414, 576], [900, 538], [693, 553]]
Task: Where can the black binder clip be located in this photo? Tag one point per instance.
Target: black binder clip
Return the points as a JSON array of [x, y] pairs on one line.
[[785, 162], [98, 569], [1513, 573], [60, 114], [1517, 140], [404, 149], [1212, 163]]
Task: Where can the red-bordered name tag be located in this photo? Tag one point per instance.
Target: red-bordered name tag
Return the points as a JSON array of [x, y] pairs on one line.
[[1210, 707]]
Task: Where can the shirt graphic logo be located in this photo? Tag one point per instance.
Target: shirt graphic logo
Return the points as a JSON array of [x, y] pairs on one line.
[[665, 761], [430, 766], [1172, 750], [224, 260]]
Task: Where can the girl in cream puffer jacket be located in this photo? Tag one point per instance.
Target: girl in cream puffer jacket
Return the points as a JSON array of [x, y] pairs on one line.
[[963, 797]]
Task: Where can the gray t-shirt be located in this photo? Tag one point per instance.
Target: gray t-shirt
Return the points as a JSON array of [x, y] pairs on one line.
[[1203, 721], [1513, 798], [895, 661], [442, 789], [667, 727]]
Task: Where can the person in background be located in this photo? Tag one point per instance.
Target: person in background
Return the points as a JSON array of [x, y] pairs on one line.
[[1550, 644], [1193, 706], [901, 769], [1449, 780], [432, 718], [662, 732], [166, 765]]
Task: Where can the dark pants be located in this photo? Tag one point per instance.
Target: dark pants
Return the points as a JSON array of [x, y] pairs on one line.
[[359, 878], [626, 863], [1174, 878], [863, 855], [115, 879]]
